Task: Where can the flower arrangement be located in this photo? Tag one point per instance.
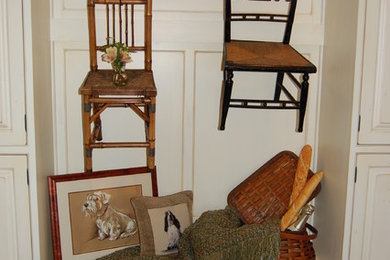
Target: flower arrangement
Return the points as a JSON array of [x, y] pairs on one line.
[[117, 54]]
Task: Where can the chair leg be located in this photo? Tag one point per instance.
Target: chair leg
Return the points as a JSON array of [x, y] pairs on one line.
[[228, 84], [151, 128], [146, 111], [97, 129], [303, 101], [278, 88], [87, 134]]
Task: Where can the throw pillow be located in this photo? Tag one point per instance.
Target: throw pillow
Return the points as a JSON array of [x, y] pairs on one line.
[[161, 221]]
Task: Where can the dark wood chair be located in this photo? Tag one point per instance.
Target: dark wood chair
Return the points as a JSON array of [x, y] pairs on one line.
[[98, 91], [263, 56]]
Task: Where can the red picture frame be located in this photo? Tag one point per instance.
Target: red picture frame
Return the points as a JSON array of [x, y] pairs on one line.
[[67, 218]]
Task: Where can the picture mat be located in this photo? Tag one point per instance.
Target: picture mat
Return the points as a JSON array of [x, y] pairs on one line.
[[157, 218], [64, 188], [83, 227]]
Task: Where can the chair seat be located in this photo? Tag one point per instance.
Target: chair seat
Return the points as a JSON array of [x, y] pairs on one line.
[[139, 82], [265, 56]]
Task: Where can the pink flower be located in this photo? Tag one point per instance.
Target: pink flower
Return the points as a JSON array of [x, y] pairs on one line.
[[117, 54], [110, 54], [125, 57]]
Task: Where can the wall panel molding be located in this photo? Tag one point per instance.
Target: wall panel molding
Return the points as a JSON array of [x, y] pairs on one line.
[[188, 31], [381, 118], [308, 11], [8, 226], [12, 104], [5, 110], [67, 7], [375, 94], [15, 225], [371, 211]]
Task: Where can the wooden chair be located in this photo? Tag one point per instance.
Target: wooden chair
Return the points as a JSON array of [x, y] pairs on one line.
[[98, 91], [263, 56]]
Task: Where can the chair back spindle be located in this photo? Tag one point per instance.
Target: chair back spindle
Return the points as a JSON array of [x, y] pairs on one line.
[[120, 27], [287, 18], [290, 21]]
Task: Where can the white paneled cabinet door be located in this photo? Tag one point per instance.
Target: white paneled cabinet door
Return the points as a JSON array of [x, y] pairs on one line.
[[370, 226], [375, 98], [15, 238], [12, 105]]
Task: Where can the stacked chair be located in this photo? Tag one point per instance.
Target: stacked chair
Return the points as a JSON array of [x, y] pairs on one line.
[[98, 90]]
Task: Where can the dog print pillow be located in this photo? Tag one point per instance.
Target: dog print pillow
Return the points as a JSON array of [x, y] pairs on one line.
[[161, 221]]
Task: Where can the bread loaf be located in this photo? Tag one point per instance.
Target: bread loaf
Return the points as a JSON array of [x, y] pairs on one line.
[[300, 201], [303, 167]]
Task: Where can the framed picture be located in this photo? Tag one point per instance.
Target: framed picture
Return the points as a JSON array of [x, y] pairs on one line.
[[91, 213]]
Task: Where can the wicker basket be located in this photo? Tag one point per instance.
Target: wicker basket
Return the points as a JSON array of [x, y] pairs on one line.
[[297, 246], [266, 194]]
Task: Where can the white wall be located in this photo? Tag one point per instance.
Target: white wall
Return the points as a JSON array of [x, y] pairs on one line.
[[187, 48], [190, 153]]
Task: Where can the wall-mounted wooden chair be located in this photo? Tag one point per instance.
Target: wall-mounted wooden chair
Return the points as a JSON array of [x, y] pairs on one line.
[[98, 91], [263, 56]]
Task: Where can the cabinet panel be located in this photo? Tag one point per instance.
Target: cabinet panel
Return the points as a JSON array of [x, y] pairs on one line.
[[15, 241], [12, 105], [375, 99], [370, 226]]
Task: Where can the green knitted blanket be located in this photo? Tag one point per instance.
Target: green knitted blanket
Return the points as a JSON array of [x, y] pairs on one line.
[[219, 234]]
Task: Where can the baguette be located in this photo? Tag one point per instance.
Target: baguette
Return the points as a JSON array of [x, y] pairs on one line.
[[300, 201], [303, 167]]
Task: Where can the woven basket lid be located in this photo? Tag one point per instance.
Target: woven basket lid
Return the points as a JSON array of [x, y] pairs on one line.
[[266, 193]]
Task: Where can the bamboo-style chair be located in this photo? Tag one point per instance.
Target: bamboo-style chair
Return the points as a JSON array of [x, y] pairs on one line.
[[263, 56], [98, 91]]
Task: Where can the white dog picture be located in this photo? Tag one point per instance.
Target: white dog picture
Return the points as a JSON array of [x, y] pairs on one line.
[[103, 219], [110, 223]]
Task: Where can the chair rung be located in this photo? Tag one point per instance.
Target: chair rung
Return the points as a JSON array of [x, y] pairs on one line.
[[287, 93], [259, 17], [133, 48], [120, 100], [126, 105], [120, 145], [294, 79], [122, 1], [263, 104]]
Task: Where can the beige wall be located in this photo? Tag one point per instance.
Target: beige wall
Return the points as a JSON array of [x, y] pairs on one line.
[[335, 124], [43, 117]]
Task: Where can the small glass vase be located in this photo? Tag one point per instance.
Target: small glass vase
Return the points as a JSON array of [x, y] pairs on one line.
[[119, 77]]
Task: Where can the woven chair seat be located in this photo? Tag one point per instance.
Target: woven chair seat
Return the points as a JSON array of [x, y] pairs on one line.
[[266, 56], [140, 82]]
